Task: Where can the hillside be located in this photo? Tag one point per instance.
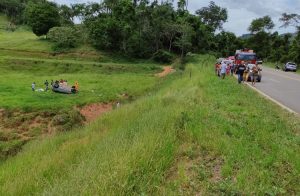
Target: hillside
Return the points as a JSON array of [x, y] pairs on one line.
[[104, 79], [195, 135]]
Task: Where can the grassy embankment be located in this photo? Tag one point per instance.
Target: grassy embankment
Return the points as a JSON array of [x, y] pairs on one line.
[[195, 135], [25, 58]]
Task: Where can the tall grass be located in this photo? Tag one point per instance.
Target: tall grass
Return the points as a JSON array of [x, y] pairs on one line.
[[195, 135], [99, 82]]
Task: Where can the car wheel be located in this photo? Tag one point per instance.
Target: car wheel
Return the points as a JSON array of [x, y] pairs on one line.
[[259, 79]]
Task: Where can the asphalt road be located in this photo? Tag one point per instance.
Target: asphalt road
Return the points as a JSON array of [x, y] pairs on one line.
[[282, 86]]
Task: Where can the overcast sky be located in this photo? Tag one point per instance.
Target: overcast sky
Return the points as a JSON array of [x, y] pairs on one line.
[[240, 12]]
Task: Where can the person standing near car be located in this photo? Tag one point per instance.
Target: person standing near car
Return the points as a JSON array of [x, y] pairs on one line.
[[254, 75], [33, 86], [217, 69], [239, 70], [250, 71], [232, 68], [228, 68], [246, 72], [223, 70], [46, 85]]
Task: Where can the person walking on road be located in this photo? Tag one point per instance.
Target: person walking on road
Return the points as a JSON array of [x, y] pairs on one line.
[[33, 86], [250, 71], [254, 74], [223, 70], [239, 70], [232, 68], [46, 85], [246, 73]]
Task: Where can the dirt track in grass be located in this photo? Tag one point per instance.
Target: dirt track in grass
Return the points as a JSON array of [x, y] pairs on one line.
[[167, 70]]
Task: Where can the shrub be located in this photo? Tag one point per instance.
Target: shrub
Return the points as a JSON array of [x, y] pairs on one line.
[[284, 59], [64, 37], [67, 120], [163, 56]]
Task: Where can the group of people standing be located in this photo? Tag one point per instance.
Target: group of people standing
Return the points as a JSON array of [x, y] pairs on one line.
[[46, 83], [244, 71], [63, 83], [224, 68]]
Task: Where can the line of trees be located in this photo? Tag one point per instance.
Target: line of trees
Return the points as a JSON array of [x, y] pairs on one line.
[[138, 28], [272, 46]]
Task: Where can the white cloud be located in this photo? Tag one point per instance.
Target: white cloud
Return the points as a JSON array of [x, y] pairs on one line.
[[240, 12]]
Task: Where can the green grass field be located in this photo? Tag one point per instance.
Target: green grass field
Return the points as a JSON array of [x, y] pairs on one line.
[[98, 82], [25, 58], [198, 135]]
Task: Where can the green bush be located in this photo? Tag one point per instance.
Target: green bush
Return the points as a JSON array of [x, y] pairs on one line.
[[163, 56], [68, 120], [64, 37], [284, 59]]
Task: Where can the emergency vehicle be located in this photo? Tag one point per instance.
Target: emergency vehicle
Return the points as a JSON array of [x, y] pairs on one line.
[[246, 56]]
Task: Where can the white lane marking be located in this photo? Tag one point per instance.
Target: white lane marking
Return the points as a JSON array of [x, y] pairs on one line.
[[271, 99]]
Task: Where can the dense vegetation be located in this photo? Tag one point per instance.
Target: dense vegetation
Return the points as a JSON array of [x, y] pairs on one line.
[[143, 29]]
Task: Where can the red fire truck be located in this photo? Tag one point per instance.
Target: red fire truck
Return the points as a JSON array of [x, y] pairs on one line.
[[245, 55]]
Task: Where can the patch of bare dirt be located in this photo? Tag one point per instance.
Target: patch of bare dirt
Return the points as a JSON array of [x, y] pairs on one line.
[[92, 111], [17, 127], [167, 70], [1, 112], [35, 123]]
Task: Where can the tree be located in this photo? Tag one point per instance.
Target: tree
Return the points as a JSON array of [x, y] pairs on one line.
[[294, 53], [294, 49], [13, 9], [138, 28], [170, 31], [67, 15], [79, 10], [161, 16], [184, 42], [42, 16], [261, 43], [261, 24], [105, 33], [182, 7], [290, 20], [261, 40], [64, 37], [227, 43], [213, 16]]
